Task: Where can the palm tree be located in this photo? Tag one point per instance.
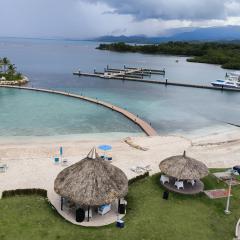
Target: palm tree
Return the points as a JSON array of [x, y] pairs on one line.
[[1, 64], [5, 63], [11, 70]]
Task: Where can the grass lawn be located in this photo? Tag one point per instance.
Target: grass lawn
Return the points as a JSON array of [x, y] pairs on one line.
[[148, 217]]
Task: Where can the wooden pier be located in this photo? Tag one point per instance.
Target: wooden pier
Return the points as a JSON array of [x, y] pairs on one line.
[[147, 128], [136, 75], [125, 73]]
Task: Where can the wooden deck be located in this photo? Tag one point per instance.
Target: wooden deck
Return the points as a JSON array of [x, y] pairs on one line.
[[141, 123], [188, 188]]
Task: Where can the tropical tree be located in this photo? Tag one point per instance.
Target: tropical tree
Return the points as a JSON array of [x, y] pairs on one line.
[[1, 65], [11, 70], [5, 62]]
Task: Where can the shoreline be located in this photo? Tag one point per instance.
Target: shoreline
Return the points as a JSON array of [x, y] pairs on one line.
[[219, 147]]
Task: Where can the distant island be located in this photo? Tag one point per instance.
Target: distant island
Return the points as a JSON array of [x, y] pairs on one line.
[[204, 34], [9, 75], [225, 54]]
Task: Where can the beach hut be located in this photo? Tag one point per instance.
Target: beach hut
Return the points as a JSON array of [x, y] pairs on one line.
[[91, 182], [182, 174]]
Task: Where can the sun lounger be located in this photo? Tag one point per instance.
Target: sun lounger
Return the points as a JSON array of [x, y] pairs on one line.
[[3, 167], [179, 184], [164, 179], [64, 162], [136, 170]]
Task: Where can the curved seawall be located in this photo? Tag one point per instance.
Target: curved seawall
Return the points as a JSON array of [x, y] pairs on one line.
[[141, 123]]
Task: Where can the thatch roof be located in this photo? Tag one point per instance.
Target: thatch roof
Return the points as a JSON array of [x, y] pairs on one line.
[[91, 181], [183, 167]]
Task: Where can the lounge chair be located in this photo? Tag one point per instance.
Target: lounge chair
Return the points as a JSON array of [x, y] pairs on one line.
[[164, 179], [137, 170], [192, 182], [64, 162], [179, 184], [3, 167]]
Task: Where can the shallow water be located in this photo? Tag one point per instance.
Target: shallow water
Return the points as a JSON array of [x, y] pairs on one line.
[[49, 64]]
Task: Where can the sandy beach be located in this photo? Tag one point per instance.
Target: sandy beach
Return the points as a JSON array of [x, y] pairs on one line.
[[32, 158]]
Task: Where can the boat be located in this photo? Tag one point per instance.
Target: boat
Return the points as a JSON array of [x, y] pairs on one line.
[[232, 80]]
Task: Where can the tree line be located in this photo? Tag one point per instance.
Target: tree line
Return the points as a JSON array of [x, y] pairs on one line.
[[225, 54]]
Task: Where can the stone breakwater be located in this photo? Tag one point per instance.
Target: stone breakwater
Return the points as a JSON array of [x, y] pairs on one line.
[[20, 82]]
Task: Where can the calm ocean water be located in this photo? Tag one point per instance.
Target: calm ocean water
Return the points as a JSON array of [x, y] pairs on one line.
[[50, 63]]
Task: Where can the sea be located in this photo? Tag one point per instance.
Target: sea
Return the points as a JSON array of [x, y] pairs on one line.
[[170, 109]]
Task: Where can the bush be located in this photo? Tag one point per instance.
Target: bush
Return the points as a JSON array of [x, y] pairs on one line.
[[139, 177], [31, 191]]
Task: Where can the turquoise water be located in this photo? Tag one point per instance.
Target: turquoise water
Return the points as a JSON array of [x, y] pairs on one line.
[[27, 113], [49, 64]]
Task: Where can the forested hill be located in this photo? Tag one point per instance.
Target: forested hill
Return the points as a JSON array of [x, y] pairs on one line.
[[225, 54]]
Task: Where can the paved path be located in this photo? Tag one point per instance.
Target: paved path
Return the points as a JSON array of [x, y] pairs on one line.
[[141, 123]]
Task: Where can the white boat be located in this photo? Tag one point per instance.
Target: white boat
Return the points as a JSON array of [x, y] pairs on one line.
[[232, 80]]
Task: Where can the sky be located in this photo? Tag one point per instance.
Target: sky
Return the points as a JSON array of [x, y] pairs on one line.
[[83, 19]]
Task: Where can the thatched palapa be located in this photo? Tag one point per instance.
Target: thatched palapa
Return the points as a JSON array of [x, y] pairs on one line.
[[183, 167], [91, 182]]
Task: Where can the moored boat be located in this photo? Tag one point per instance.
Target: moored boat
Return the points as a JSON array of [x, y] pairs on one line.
[[232, 80]]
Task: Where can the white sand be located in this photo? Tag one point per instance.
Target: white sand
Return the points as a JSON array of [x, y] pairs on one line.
[[31, 166]]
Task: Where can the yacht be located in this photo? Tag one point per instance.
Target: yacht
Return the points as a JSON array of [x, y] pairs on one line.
[[232, 80]]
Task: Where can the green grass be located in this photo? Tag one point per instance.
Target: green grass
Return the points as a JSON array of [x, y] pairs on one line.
[[148, 217]]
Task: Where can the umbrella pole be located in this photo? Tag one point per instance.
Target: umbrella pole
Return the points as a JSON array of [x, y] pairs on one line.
[[88, 213]]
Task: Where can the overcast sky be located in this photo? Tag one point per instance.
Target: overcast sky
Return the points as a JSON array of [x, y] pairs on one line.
[[91, 18]]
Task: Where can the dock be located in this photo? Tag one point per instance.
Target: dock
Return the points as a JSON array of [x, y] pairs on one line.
[[125, 73], [147, 128], [137, 74]]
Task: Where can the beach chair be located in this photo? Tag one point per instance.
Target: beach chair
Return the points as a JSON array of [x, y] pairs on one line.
[[179, 184], [164, 179], [137, 170], [64, 162], [192, 182], [3, 168]]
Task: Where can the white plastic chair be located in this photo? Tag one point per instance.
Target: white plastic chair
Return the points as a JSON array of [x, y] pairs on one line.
[[179, 184], [164, 179], [191, 182]]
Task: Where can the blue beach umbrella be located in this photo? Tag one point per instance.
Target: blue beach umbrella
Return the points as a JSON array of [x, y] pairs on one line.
[[105, 147]]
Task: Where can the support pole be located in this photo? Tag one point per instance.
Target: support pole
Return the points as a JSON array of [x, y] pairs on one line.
[[228, 198], [88, 213], [61, 203]]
